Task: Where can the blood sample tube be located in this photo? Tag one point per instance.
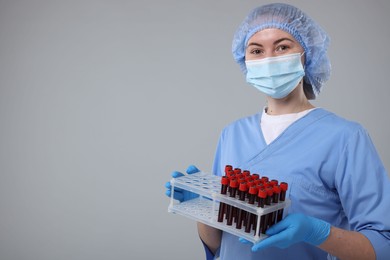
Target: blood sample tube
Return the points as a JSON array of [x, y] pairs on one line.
[[248, 178], [260, 186], [277, 190], [274, 182], [240, 176], [262, 195], [222, 206], [243, 188], [268, 202], [275, 199], [232, 193], [270, 194], [258, 182], [241, 179], [237, 170], [229, 173], [250, 183], [231, 177], [228, 168], [282, 197], [250, 217], [264, 179], [267, 184], [246, 173]]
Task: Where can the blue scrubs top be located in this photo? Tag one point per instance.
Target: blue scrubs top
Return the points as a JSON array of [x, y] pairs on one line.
[[333, 171]]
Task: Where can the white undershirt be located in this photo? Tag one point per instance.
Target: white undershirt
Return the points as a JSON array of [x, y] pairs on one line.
[[273, 126]]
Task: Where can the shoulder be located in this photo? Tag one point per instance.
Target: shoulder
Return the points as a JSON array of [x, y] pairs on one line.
[[336, 123], [337, 131]]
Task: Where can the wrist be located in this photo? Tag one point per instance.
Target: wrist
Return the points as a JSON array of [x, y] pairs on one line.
[[319, 233]]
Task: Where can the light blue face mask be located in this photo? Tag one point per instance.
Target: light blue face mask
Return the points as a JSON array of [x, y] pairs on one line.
[[275, 76]]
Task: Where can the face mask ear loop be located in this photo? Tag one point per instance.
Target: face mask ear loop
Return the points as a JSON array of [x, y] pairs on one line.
[[305, 60]]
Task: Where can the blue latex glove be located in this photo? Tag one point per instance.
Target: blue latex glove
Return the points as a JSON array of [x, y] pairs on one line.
[[293, 229], [180, 194]]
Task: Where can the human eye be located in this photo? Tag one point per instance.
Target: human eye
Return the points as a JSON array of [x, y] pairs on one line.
[[256, 51], [282, 48]]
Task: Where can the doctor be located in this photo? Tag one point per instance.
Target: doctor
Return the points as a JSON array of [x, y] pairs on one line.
[[338, 186]]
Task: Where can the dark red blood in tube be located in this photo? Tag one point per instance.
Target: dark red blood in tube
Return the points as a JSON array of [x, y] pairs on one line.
[[232, 193], [242, 189], [268, 202], [282, 197], [222, 206], [261, 195], [275, 199], [250, 217], [277, 190], [240, 212], [227, 207]]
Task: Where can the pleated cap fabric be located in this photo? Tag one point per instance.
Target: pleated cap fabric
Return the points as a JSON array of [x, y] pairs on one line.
[[305, 30]]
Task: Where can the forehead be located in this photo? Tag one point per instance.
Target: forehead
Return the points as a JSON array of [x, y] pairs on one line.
[[270, 35]]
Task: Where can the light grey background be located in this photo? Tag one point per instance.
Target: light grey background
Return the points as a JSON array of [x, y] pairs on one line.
[[101, 100]]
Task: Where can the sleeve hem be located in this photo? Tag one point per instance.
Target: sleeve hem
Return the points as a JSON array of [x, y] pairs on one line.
[[380, 244], [209, 254]]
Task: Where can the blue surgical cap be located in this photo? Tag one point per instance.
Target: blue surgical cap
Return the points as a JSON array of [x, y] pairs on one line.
[[306, 31]]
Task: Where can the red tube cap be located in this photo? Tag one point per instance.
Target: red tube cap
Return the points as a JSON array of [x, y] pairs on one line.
[[274, 182], [225, 180], [241, 180], [264, 179], [233, 183], [276, 189], [246, 173], [262, 193], [250, 182], [228, 168], [267, 184], [283, 186], [261, 186], [258, 182], [253, 190], [243, 186], [229, 173], [255, 176]]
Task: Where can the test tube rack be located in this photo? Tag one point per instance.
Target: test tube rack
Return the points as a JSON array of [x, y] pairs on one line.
[[205, 207]]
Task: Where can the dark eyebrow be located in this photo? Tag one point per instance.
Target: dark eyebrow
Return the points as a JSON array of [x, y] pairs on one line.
[[256, 44], [275, 43], [282, 39]]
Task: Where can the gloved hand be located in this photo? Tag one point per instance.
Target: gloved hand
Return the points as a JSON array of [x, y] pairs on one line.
[[180, 194], [293, 229]]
